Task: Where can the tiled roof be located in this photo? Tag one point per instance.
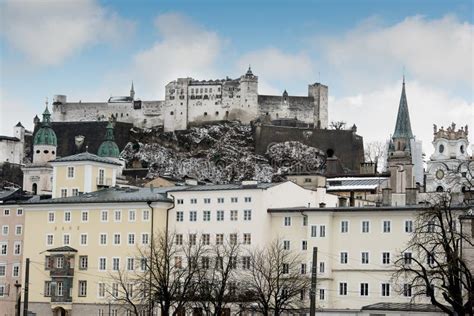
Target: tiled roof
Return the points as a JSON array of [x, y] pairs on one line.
[[62, 249], [86, 156], [111, 195]]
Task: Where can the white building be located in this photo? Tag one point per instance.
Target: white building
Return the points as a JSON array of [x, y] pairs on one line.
[[12, 147]]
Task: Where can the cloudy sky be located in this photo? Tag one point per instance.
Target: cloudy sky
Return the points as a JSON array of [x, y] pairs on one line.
[[90, 50]]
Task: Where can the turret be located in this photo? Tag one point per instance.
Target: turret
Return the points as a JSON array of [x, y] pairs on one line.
[[45, 141], [319, 93], [109, 148], [249, 95], [19, 132]]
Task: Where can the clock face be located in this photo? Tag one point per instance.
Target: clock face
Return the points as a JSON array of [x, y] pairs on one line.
[[439, 174]]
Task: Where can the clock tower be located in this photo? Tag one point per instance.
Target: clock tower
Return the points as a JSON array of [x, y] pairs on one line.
[[447, 167]]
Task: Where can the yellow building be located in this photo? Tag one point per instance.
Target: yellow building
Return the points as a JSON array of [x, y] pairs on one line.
[[75, 243]]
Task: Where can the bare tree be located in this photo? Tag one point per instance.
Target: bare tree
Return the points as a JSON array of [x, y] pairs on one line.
[[275, 281], [376, 152], [338, 125], [128, 290], [432, 266], [218, 287]]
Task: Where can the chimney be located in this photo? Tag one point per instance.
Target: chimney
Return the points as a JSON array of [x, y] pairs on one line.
[[352, 199], [322, 205], [411, 194], [386, 197], [342, 201]]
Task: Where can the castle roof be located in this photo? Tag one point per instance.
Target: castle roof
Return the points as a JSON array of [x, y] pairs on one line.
[[45, 135], [109, 148], [18, 124], [403, 126]]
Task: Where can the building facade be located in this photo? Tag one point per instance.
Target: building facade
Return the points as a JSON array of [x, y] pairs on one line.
[[189, 101], [12, 148]]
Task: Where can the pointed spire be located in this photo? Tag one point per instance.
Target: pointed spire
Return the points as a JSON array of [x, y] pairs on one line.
[[403, 125], [132, 91], [249, 72], [46, 114]]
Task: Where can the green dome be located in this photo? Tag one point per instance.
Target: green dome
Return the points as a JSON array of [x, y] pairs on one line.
[[45, 135], [109, 148]]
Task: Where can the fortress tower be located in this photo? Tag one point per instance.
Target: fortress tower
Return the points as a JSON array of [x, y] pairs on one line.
[[319, 93]]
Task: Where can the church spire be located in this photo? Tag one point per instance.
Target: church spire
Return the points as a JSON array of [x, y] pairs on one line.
[[403, 125], [132, 91]]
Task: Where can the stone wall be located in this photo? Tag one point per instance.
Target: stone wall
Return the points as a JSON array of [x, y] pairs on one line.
[[344, 144]]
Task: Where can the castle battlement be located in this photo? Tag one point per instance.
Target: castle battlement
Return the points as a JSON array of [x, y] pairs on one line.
[[191, 102]]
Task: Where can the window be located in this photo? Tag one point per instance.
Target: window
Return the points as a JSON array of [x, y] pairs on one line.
[[342, 288], [19, 212], [117, 239], [84, 216], [407, 290], [322, 295], [3, 248], [245, 263], [407, 257], [206, 239], [344, 257], [51, 217], [130, 264], [322, 231], [145, 215], [365, 226], [287, 221], [386, 257], [206, 216], [192, 216], [59, 262], [131, 215], [219, 239], [247, 215], [67, 216], [102, 264], [47, 288], [234, 200], [430, 260], [220, 200], [101, 177], [233, 215], [286, 244], [115, 291], [220, 216], [322, 267], [16, 271], [248, 199], [17, 248], [205, 262], [115, 264], [207, 201], [6, 212], [193, 201], [192, 239], [286, 268], [82, 288], [430, 227], [75, 192], [83, 262], [70, 172], [118, 215], [305, 220], [386, 226], [145, 238], [303, 268], [66, 239], [364, 289], [179, 216], [385, 289], [179, 239], [83, 239], [49, 239], [143, 264], [103, 239], [304, 245], [3, 269], [365, 258], [247, 239], [104, 216], [233, 239], [63, 192], [344, 226], [179, 201], [314, 231], [131, 239], [18, 230], [5, 229], [101, 291]]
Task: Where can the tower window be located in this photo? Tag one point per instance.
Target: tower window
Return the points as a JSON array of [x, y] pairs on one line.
[[217, 112], [461, 149], [205, 113], [171, 113], [37, 151], [46, 151], [52, 152], [330, 152], [441, 148]]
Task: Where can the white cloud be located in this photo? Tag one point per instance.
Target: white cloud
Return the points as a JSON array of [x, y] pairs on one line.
[[14, 110], [436, 51], [48, 32], [185, 49], [375, 112], [275, 67]]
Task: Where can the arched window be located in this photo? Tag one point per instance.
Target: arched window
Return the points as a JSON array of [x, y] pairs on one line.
[[439, 189], [34, 188]]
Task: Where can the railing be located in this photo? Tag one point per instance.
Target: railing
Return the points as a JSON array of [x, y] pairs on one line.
[[107, 182]]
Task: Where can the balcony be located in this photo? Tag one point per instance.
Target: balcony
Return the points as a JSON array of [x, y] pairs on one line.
[[103, 182], [61, 272]]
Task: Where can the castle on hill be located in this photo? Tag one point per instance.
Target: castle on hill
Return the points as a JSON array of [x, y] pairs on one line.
[[191, 102]]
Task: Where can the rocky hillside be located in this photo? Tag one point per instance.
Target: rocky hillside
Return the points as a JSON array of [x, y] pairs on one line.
[[220, 153]]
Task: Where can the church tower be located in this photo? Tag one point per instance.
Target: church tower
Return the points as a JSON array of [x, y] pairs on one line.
[[399, 161], [45, 141], [132, 92]]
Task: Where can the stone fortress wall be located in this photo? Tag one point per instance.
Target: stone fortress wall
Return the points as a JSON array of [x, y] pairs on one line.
[[192, 102]]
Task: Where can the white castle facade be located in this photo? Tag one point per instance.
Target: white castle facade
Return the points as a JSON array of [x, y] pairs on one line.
[[191, 102]]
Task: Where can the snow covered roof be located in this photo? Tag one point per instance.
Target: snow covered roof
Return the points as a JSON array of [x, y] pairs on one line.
[[355, 183], [220, 187], [85, 156]]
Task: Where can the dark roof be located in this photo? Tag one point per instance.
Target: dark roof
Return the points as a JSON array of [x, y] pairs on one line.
[[403, 126], [355, 183], [62, 249], [5, 193], [19, 124], [110, 195], [86, 156], [13, 139], [346, 209], [405, 307]]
